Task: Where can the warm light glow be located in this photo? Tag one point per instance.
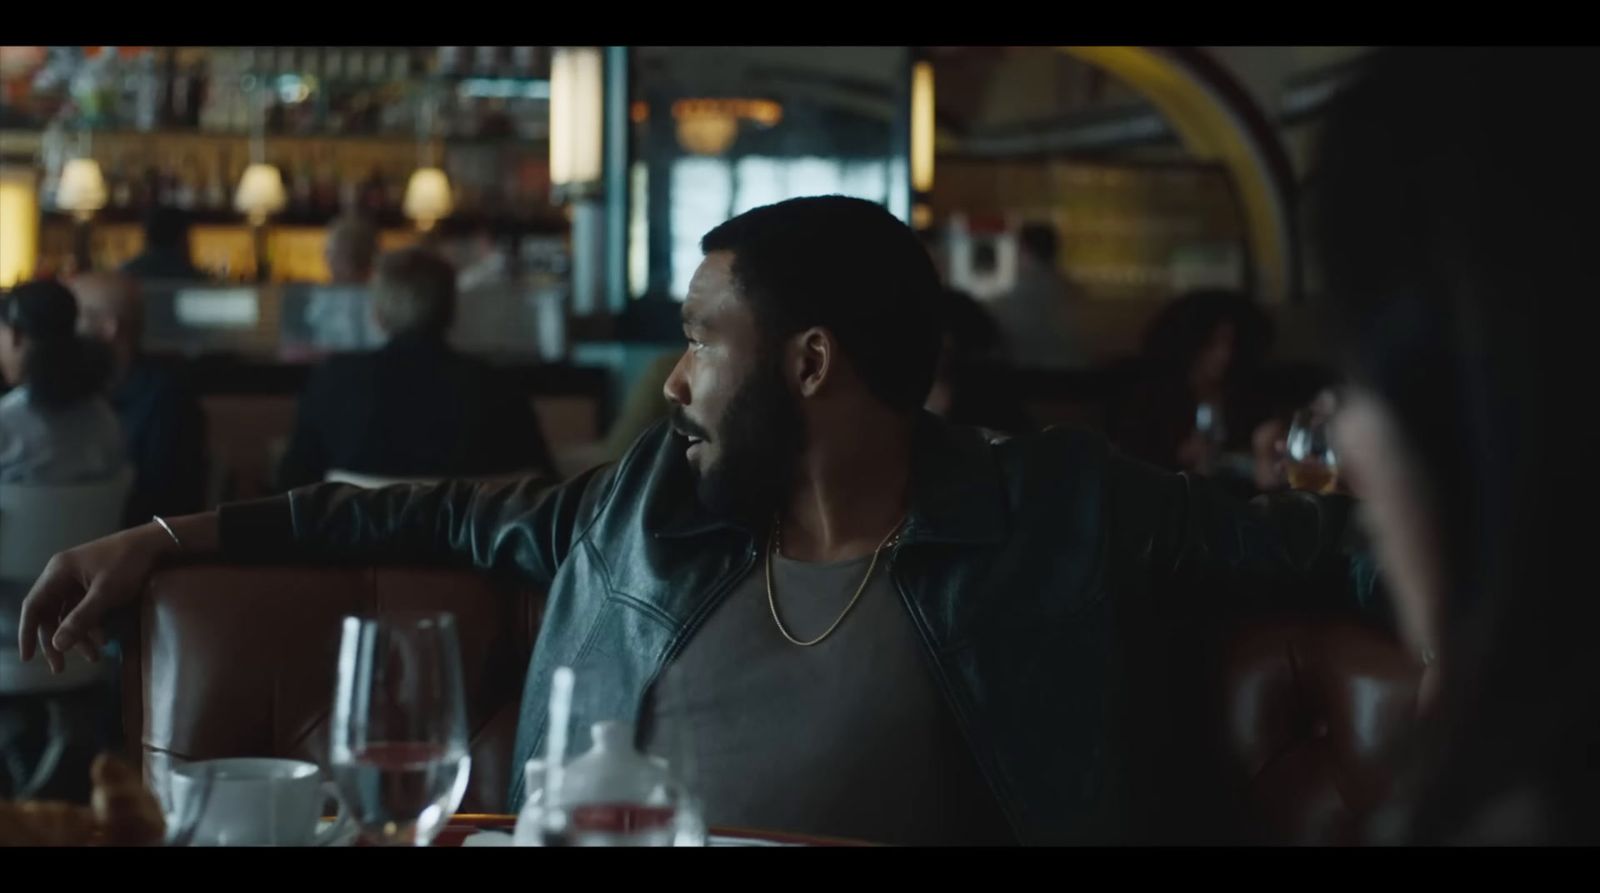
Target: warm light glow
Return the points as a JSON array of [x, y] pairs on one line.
[[707, 134], [709, 126], [762, 111], [260, 193], [922, 127], [428, 197], [19, 226], [576, 99], [83, 188]]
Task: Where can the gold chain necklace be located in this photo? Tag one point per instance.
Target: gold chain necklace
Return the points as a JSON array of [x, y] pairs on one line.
[[772, 546]]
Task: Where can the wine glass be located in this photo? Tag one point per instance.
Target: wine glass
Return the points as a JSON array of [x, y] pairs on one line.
[[399, 737], [1312, 464]]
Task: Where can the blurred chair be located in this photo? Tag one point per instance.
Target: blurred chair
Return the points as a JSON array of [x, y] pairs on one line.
[[37, 521], [1292, 717], [252, 674], [49, 721]]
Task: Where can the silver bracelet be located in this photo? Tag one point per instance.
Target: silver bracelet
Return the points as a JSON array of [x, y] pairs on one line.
[[168, 528]]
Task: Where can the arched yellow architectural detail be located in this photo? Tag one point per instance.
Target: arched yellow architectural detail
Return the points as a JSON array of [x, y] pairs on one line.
[[1212, 131]]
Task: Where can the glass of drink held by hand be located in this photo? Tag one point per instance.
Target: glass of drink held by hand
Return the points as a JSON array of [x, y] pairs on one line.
[[1311, 464]]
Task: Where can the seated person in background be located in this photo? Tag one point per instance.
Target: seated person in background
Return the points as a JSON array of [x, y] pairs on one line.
[[159, 412], [860, 620], [339, 315], [55, 427], [165, 257], [972, 384], [1034, 315], [1461, 254], [416, 407], [1196, 394]]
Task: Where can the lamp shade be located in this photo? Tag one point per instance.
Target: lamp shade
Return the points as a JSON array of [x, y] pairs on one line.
[[82, 188], [260, 192], [427, 196], [710, 126], [576, 99], [708, 133]]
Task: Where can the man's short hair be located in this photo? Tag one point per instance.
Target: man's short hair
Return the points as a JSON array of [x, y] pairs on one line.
[[415, 291], [851, 267]]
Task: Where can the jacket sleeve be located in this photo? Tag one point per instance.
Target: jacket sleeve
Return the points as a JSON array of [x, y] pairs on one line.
[[525, 528], [1174, 533]]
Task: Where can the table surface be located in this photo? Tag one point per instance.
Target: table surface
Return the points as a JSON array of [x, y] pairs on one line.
[[464, 825]]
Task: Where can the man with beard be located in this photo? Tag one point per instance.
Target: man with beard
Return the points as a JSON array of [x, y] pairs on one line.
[[849, 617]]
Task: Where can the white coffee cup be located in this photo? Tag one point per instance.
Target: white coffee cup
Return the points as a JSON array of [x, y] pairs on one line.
[[260, 802]]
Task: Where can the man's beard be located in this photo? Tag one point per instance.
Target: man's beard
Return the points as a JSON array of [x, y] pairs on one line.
[[759, 441]]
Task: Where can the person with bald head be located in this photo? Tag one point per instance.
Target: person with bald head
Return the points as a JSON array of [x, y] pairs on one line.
[[159, 411]]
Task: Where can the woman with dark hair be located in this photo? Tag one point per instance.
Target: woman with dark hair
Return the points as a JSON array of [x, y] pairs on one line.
[[1195, 394], [55, 426], [1455, 214]]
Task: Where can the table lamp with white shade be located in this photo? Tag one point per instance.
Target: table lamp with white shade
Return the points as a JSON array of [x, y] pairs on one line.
[[82, 191], [260, 195], [428, 197]]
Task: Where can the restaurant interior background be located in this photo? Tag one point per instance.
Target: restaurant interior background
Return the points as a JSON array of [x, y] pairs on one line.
[[580, 179]]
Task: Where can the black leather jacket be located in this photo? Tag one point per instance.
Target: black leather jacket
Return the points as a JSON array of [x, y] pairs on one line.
[[1015, 566]]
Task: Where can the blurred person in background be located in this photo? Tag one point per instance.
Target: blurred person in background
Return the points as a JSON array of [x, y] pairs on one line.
[[416, 407], [1033, 315], [1195, 396], [166, 256], [155, 403], [339, 314], [55, 427]]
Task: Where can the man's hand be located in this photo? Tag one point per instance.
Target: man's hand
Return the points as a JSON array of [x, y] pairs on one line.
[[68, 603]]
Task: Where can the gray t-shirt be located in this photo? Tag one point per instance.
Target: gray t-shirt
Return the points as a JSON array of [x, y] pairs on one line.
[[849, 738]]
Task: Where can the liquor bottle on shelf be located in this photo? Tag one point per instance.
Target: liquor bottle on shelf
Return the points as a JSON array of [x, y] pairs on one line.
[[283, 60], [448, 60], [120, 188], [150, 187], [171, 88], [301, 193], [486, 61], [349, 193], [374, 196], [355, 65], [522, 61], [395, 190], [186, 186], [325, 190], [211, 103], [333, 65], [216, 192], [199, 81], [147, 93], [377, 66]]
